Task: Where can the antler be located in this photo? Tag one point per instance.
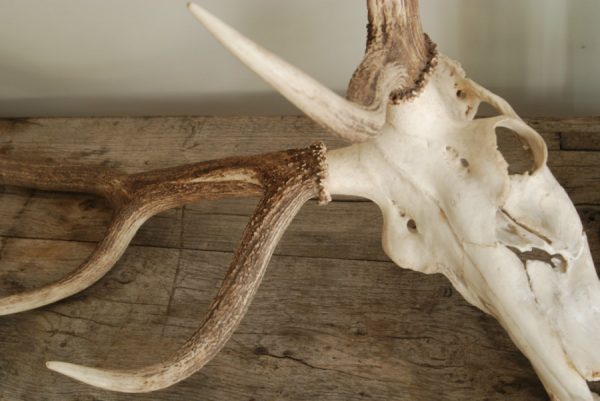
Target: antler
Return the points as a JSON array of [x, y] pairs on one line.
[[286, 181], [398, 58]]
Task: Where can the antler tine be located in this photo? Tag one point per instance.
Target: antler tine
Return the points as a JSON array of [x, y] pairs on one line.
[[398, 60], [345, 119], [100, 181], [286, 191], [135, 198], [119, 234]]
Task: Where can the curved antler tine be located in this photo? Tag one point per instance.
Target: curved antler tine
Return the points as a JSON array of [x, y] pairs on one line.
[[345, 119], [85, 179], [283, 199], [135, 197], [103, 258]]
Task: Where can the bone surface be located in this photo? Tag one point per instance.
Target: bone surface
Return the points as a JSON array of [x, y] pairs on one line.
[[450, 207]]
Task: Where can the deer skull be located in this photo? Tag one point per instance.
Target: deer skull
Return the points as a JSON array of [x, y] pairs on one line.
[[511, 244]]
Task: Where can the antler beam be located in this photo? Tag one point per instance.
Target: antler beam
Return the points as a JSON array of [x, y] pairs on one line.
[[135, 198], [286, 180]]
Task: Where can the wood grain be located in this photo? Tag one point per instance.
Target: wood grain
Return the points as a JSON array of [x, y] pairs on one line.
[[333, 319]]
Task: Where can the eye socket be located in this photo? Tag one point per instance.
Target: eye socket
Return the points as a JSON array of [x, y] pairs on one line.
[[515, 151]]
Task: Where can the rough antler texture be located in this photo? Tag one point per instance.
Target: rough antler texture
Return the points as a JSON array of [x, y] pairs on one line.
[[362, 116], [286, 181], [398, 58], [135, 198]]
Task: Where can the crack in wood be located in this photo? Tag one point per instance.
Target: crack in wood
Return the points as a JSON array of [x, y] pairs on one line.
[[53, 332], [177, 268], [287, 355]]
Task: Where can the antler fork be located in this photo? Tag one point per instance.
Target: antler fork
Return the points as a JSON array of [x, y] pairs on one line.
[[397, 63], [286, 180]]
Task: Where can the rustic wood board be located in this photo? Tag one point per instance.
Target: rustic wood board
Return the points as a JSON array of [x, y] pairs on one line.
[[333, 320]]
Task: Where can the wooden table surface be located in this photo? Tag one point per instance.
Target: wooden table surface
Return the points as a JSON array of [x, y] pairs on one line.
[[333, 320]]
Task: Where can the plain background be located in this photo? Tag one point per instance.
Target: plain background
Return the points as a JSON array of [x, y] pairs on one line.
[[150, 57]]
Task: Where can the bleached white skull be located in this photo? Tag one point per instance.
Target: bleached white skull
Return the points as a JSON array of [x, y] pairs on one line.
[[512, 245]]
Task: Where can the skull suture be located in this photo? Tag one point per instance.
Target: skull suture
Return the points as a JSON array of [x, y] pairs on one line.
[[512, 245]]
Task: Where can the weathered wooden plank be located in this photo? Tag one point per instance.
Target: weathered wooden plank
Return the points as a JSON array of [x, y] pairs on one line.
[[333, 320], [576, 133], [347, 230], [343, 230], [136, 144], [311, 333], [122, 308], [579, 173], [580, 133], [589, 141], [81, 217]]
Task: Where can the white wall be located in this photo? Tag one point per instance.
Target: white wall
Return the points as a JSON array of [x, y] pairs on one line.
[[149, 57]]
